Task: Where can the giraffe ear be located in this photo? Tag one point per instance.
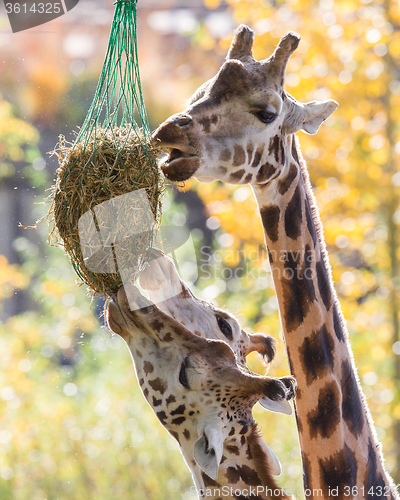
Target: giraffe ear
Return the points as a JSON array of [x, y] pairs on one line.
[[263, 344], [307, 117], [316, 113], [208, 449], [273, 460]]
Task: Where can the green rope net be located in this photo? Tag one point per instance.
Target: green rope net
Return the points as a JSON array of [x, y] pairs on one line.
[[106, 202]]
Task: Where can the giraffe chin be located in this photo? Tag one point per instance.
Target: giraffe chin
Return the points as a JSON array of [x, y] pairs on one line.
[[204, 178], [181, 169]]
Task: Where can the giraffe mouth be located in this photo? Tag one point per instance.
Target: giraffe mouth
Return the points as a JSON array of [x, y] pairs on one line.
[[179, 164], [174, 154]]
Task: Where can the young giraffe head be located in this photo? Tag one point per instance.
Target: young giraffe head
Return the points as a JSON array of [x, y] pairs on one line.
[[160, 279], [236, 125], [199, 393], [169, 292]]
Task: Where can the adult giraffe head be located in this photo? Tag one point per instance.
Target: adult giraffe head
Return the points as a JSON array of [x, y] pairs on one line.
[[199, 393], [236, 123]]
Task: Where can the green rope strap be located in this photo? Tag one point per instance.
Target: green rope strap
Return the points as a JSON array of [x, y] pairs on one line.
[[118, 92], [111, 156]]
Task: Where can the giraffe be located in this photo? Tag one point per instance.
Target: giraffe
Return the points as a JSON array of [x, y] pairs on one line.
[[240, 128], [204, 399], [160, 279]]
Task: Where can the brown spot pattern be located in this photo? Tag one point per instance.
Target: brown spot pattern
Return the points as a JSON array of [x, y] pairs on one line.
[[265, 172], [258, 155], [147, 367], [316, 354], [306, 471], [285, 183], [352, 407], [168, 337], [339, 471], [232, 475], [178, 420], [162, 417], [208, 481], [180, 410], [337, 324], [374, 480], [293, 215], [297, 288], [232, 449], [276, 148], [324, 284], [248, 178], [248, 475], [158, 385], [175, 435], [205, 123], [225, 155], [270, 221], [170, 399], [239, 155], [324, 420], [156, 325], [236, 176], [156, 402]]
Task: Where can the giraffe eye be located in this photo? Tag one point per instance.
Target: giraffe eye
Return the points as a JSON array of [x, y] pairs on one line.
[[182, 375], [265, 116], [225, 327]]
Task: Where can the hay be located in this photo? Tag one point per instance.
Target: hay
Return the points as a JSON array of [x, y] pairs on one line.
[[105, 246]]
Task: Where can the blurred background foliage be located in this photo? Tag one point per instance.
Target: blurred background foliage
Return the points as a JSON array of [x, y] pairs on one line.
[[73, 422]]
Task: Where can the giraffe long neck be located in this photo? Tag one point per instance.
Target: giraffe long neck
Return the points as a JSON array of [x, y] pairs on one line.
[[340, 450], [244, 472]]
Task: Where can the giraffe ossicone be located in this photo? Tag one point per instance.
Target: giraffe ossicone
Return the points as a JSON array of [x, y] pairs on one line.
[[201, 395], [239, 128]]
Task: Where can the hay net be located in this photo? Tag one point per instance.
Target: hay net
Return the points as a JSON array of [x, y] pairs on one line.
[[106, 202]]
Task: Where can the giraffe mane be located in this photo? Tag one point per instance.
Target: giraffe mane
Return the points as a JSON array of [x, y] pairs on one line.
[[319, 230], [313, 205]]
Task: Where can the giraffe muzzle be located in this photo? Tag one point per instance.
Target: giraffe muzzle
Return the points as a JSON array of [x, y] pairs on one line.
[[176, 139]]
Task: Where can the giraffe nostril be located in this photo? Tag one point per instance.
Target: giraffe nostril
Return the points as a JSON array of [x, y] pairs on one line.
[[182, 120]]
